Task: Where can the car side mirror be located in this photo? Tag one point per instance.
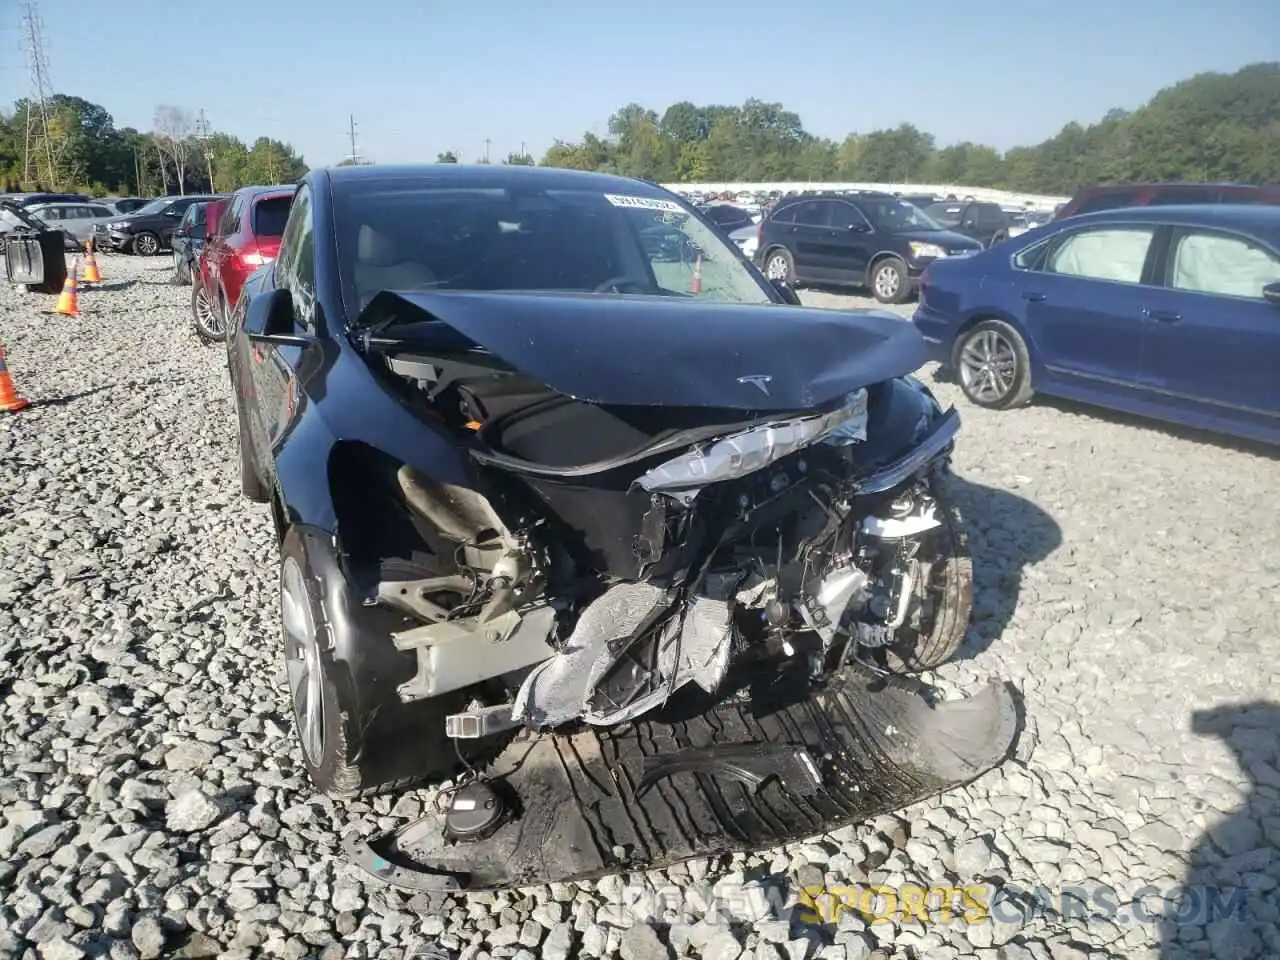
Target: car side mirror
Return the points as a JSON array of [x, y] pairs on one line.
[[787, 292], [269, 319], [1271, 293]]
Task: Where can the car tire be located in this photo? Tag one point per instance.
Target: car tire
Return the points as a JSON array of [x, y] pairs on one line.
[[778, 265], [205, 315], [888, 281], [181, 272], [348, 751], [992, 365], [146, 244], [944, 597]]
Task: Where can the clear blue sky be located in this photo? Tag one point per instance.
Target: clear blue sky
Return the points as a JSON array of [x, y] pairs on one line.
[[423, 76]]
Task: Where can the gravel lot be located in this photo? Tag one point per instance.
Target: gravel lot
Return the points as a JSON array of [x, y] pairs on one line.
[[153, 804]]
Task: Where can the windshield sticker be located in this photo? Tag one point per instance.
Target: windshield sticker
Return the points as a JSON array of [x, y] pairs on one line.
[[644, 203]]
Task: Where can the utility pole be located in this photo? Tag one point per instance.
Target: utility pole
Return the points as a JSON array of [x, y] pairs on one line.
[[203, 135], [38, 140], [486, 149], [355, 150]]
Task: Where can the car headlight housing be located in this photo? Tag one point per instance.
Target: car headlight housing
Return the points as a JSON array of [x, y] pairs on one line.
[[739, 454], [926, 251], [118, 225]]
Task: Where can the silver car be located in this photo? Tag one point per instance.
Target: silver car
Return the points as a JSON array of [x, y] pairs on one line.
[[76, 220]]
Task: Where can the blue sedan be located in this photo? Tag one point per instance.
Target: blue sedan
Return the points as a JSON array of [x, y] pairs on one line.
[[1167, 312]]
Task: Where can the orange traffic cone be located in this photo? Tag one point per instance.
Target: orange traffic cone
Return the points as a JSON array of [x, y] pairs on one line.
[[697, 275], [68, 303], [91, 272], [10, 400]]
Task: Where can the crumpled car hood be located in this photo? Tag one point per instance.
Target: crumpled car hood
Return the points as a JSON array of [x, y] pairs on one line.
[[661, 351]]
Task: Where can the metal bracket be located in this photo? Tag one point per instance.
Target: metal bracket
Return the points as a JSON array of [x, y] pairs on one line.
[[479, 723]]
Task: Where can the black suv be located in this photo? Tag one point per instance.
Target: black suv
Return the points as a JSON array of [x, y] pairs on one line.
[[873, 240], [985, 222]]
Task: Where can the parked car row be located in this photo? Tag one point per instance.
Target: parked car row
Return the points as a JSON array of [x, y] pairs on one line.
[[219, 242]]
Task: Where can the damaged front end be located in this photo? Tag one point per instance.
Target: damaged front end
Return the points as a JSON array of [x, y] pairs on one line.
[[689, 620]]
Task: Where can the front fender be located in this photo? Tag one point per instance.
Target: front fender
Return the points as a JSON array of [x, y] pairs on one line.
[[900, 412]]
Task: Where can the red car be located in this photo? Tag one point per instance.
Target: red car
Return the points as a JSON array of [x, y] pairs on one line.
[[1116, 195], [245, 236]]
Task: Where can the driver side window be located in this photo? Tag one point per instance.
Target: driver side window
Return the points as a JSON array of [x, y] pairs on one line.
[[295, 265]]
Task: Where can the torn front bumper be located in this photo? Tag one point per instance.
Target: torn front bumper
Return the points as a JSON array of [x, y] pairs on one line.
[[698, 781]]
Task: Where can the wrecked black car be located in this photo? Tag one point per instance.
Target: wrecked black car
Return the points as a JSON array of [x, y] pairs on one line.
[[641, 549]]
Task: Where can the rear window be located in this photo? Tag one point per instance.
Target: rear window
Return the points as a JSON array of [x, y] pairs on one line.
[[269, 216]]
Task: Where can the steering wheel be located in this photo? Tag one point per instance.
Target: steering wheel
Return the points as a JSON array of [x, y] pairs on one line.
[[615, 284]]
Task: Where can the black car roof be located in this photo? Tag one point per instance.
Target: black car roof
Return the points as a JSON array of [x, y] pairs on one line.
[[492, 175]]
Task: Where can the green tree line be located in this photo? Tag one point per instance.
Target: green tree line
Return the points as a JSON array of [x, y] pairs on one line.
[[1212, 126], [73, 145]]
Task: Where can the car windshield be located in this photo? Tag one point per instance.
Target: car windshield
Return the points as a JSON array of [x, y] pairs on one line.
[[895, 216], [155, 206], [393, 237]]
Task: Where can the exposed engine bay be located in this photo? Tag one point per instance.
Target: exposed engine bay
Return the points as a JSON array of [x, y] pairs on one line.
[[599, 581]]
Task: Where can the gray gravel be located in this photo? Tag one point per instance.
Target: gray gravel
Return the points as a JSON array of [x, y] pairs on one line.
[[152, 804]]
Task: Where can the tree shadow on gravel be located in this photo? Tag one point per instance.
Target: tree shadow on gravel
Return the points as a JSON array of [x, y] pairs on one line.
[[1007, 533], [1230, 897], [1176, 430]]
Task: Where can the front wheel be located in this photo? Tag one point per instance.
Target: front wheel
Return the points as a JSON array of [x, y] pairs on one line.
[[357, 739], [942, 591], [146, 244], [889, 281]]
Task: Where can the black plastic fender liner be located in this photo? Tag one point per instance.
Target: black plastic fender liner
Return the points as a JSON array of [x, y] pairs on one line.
[[738, 776]]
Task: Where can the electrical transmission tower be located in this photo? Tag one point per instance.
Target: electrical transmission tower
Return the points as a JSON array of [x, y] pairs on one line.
[[39, 162], [354, 157]]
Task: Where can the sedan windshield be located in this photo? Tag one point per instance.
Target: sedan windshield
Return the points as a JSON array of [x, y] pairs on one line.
[[393, 236], [155, 206]]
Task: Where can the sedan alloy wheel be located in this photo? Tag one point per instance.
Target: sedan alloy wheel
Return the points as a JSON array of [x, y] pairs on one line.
[[988, 367]]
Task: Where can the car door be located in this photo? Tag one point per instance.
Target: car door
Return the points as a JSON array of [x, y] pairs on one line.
[[989, 222], [172, 217], [216, 252], [807, 236], [1211, 337], [850, 238], [272, 370], [1084, 301]]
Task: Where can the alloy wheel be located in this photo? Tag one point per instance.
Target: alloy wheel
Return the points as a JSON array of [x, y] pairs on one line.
[[776, 268], [988, 366], [302, 661], [209, 317], [887, 282], [146, 245]]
